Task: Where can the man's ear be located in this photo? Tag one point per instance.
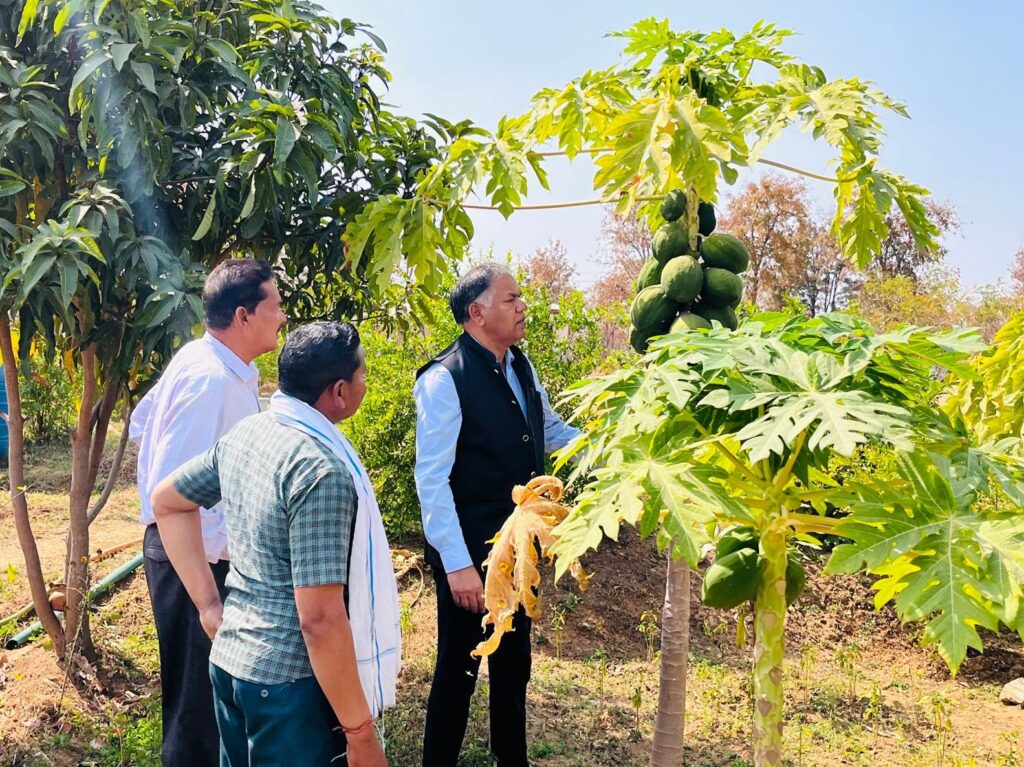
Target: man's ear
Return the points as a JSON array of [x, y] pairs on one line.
[[241, 315], [476, 312]]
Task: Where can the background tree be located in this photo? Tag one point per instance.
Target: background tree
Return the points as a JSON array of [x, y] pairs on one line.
[[901, 256], [773, 217], [626, 244], [1017, 273], [549, 265], [142, 143]]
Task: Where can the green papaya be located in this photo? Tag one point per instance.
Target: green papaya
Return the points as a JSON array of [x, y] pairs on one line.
[[650, 274], [724, 314], [706, 220], [652, 311], [671, 240], [638, 340], [725, 252], [796, 579], [732, 580], [689, 321], [734, 539], [721, 287], [674, 205], [682, 278]]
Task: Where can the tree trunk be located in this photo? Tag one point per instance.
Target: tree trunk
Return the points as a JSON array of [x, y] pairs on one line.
[[76, 617], [769, 650], [19, 502], [669, 731]]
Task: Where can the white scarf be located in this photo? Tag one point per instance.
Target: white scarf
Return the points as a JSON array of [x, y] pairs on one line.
[[372, 592]]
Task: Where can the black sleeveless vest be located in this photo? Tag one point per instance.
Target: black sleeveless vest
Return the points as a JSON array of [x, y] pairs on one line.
[[497, 447]]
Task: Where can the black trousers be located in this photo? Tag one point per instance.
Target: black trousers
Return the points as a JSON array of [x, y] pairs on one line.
[[458, 632], [190, 737]]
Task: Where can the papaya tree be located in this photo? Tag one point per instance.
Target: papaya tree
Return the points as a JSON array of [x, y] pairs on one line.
[[682, 110], [143, 142], [719, 429]]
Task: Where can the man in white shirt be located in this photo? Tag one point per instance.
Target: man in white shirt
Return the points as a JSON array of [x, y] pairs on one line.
[[209, 386], [483, 425]]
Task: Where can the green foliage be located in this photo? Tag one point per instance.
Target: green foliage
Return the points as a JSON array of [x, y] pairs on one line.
[[47, 400], [141, 144], [383, 430], [564, 346], [686, 111], [718, 428]]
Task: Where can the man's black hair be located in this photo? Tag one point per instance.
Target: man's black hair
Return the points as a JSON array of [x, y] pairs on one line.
[[231, 284], [316, 356]]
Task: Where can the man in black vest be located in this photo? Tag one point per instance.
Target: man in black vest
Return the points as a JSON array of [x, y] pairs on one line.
[[483, 424]]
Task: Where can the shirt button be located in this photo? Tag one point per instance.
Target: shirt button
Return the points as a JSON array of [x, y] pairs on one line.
[[526, 438], [264, 693]]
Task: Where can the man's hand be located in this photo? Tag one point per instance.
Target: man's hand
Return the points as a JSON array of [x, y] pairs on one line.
[[467, 589], [211, 617], [364, 750]]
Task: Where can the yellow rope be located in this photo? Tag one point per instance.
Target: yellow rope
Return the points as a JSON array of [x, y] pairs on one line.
[[598, 150]]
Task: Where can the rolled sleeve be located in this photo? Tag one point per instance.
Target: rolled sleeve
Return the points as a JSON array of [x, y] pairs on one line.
[[321, 509], [198, 480], [438, 422]]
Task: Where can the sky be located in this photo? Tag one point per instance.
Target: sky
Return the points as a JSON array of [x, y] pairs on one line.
[[955, 65]]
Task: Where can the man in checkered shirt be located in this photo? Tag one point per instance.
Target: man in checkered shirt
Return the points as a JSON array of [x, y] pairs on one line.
[[283, 662]]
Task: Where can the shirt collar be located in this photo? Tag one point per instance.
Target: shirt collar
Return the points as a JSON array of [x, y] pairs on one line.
[[230, 360]]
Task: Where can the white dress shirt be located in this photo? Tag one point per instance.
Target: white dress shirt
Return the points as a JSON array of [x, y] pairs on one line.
[[203, 393], [438, 422]]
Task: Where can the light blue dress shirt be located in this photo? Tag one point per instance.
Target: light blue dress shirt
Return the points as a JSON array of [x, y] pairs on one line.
[[438, 422]]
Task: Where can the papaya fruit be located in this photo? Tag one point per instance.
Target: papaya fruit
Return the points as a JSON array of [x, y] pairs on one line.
[[638, 340], [682, 278], [796, 580], [650, 274], [689, 321], [671, 240], [732, 580], [706, 220], [725, 252], [724, 314], [652, 311], [673, 207], [734, 539], [721, 287]]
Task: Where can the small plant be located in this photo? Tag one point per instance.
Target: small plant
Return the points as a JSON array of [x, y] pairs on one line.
[[649, 630], [405, 621], [848, 658], [637, 701], [1012, 755], [939, 707]]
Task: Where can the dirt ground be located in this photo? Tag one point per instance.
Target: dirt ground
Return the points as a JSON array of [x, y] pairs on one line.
[[860, 689]]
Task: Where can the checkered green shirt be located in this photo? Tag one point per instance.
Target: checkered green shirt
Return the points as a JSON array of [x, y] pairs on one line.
[[289, 506]]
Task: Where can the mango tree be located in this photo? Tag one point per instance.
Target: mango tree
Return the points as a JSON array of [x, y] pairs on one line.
[[140, 144], [682, 110]]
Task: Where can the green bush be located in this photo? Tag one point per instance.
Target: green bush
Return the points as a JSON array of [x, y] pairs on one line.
[[48, 400], [564, 339]]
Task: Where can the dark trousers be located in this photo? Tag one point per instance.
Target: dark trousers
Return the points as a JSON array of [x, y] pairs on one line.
[[273, 725], [458, 632], [190, 736]]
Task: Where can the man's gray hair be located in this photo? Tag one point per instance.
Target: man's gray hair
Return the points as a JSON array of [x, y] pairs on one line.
[[471, 288]]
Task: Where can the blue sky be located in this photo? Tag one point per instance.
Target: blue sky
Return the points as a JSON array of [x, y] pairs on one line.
[[956, 66]]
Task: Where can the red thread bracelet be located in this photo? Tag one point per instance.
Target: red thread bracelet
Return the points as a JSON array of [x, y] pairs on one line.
[[358, 729]]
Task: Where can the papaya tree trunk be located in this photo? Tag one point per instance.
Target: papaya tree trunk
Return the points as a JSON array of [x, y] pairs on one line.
[[769, 650], [19, 500], [669, 730]]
